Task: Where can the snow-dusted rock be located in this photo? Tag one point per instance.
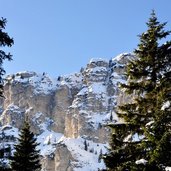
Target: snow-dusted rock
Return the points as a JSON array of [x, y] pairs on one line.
[[13, 116], [66, 111]]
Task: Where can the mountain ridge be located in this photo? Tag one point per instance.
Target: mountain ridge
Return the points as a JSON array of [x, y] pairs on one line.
[[66, 112]]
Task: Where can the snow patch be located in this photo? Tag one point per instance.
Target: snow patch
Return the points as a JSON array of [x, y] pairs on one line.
[[9, 130], [149, 123], [141, 161], [73, 80], [166, 105], [168, 168], [95, 60], [86, 160], [97, 88], [48, 140], [83, 91], [122, 56]]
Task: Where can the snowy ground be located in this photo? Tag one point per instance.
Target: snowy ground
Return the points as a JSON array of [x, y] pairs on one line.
[[87, 160]]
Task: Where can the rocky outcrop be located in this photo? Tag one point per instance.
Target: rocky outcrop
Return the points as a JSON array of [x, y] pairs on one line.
[[38, 97], [60, 160], [92, 100], [63, 158], [74, 106]]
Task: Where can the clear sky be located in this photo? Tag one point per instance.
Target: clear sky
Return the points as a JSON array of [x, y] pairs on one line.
[[61, 36]]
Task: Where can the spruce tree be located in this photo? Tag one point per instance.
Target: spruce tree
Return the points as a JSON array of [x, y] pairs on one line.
[[26, 156], [5, 40], [145, 130], [158, 132]]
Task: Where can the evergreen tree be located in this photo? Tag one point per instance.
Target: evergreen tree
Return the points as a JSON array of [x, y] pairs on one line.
[[85, 145], [26, 156], [159, 131], [5, 40], [145, 130]]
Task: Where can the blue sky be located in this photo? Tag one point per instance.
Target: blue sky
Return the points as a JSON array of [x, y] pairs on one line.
[[61, 36]]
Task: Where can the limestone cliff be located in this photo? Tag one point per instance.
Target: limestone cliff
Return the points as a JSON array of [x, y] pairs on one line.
[[68, 114]]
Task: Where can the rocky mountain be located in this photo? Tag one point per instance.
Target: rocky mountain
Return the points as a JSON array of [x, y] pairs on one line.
[[68, 114]]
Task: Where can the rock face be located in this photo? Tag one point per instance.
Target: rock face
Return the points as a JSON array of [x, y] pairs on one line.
[[68, 113]]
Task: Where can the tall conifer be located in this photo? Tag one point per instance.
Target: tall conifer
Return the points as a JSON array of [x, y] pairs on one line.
[[26, 156], [5, 40], [142, 139]]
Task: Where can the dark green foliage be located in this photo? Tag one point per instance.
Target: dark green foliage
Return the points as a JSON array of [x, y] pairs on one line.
[[5, 40], [85, 145], [2, 168], [111, 117], [146, 130], [26, 157]]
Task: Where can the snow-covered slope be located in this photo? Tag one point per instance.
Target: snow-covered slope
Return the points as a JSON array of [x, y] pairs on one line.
[[68, 114]]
